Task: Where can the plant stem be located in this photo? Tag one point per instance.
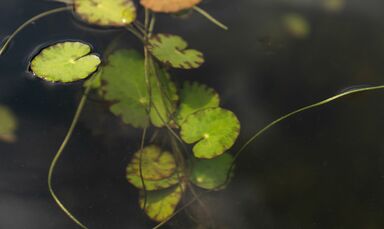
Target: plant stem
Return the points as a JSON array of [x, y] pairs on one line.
[[210, 18], [59, 153], [282, 118], [25, 24]]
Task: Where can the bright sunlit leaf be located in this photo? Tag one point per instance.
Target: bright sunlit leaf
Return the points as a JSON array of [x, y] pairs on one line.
[[214, 130], [172, 50], [195, 97], [106, 12], [160, 205], [65, 62], [211, 174], [8, 125], [169, 6]]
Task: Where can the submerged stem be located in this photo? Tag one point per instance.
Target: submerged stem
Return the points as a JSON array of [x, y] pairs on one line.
[[25, 24], [282, 118], [59, 153], [209, 17]]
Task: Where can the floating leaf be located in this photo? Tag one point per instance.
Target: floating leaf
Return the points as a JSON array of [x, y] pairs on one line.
[[160, 205], [195, 97], [8, 125], [169, 6], [106, 12], [158, 169], [211, 174], [171, 50], [156, 164], [65, 62], [125, 85], [152, 185], [214, 129]]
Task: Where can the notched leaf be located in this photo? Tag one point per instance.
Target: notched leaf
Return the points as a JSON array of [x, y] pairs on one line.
[[214, 130], [172, 50], [65, 62]]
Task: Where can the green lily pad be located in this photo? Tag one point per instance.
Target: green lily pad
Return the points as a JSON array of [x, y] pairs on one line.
[[65, 62], [125, 86], [8, 125], [156, 164], [211, 174], [214, 130], [195, 97], [172, 50], [152, 185], [160, 205], [106, 12]]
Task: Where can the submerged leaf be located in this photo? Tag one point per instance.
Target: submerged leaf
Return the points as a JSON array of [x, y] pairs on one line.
[[156, 164], [169, 6], [160, 205], [125, 86], [195, 97], [106, 12], [214, 129], [158, 169], [65, 62], [94, 81], [171, 50], [211, 174], [8, 125]]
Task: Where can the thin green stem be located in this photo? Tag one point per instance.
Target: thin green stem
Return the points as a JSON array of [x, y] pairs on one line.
[[210, 18], [59, 153], [132, 29], [321, 103], [25, 24], [141, 167]]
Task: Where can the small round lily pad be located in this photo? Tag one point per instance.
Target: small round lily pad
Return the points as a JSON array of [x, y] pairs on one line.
[[214, 130], [156, 164], [65, 62], [172, 50], [117, 13], [211, 174], [169, 6], [195, 97], [160, 205], [8, 125]]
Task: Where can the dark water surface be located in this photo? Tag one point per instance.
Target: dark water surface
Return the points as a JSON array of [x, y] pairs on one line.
[[321, 169]]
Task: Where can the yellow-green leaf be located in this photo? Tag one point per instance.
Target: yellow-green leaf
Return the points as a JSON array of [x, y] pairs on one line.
[[106, 12], [160, 205], [172, 50], [65, 62], [8, 125]]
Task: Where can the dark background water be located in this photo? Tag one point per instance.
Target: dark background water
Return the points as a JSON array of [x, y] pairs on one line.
[[321, 169]]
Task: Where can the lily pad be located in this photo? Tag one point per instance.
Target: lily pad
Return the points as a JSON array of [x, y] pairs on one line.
[[172, 50], [195, 97], [169, 6], [65, 62], [160, 205], [106, 12], [211, 174], [125, 86], [156, 164], [214, 130], [152, 185], [8, 125]]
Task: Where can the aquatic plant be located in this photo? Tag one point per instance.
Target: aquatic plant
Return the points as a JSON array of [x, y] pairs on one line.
[[142, 93]]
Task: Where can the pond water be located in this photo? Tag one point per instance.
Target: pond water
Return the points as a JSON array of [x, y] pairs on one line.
[[320, 169]]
